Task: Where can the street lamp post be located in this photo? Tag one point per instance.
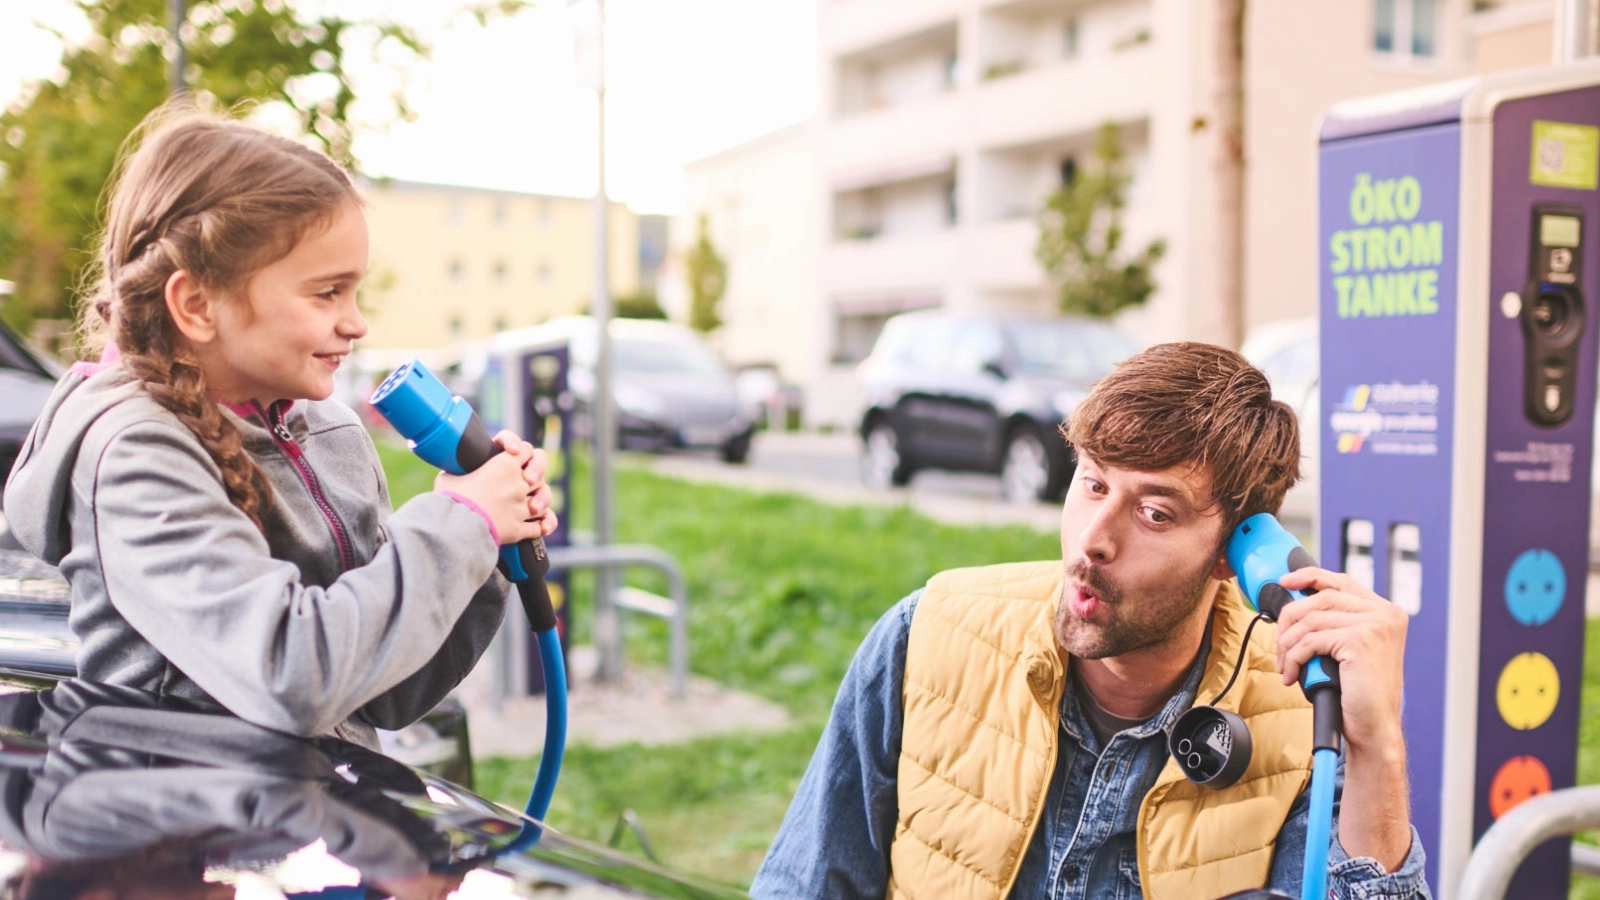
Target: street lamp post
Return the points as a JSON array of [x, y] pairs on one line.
[[607, 625], [175, 17]]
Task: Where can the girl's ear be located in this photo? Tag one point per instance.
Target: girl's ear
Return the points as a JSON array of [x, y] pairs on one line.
[[192, 307]]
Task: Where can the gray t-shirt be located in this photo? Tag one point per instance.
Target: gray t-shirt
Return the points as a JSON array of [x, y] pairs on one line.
[[1102, 723]]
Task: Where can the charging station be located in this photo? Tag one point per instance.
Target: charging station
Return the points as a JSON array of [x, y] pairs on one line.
[[523, 387], [1458, 254]]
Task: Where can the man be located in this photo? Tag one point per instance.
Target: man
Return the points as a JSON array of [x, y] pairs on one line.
[[1002, 732]]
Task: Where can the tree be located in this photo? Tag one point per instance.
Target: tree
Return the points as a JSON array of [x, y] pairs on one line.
[[1080, 238], [708, 279], [632, 306], [59, 142]]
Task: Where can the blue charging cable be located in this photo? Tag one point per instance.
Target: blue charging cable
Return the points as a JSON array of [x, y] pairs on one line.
[[444, 430], [1260, 552]]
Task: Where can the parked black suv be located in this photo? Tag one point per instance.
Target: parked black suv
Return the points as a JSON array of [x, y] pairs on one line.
[[26, 379], [975, 392]]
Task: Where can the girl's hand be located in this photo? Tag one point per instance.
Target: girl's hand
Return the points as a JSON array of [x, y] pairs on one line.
[[510, 490]]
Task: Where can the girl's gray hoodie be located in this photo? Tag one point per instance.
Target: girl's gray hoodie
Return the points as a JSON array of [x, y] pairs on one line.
[[338, 617]]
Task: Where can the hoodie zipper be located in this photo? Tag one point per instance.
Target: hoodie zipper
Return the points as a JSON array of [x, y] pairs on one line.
[[286, 442]]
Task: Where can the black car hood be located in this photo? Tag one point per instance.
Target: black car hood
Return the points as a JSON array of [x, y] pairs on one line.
[[108, 785]]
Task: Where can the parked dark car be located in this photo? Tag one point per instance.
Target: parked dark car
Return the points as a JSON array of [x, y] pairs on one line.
[[983, 393], [26, 379], [144, 791], [671, 390], [111, 790]]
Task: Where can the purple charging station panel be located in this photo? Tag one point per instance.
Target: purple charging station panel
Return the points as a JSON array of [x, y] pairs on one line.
[[1389, 237], [1537, 480], [1392, 316]]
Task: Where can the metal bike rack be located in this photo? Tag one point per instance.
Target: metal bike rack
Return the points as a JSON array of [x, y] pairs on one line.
[[1510, 840], [674, 609]]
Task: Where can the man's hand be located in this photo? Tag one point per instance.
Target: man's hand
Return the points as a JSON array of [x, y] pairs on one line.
[[1366, 634], [1347, 621]]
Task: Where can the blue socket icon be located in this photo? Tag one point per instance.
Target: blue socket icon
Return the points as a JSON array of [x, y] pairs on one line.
[[1535, 587]]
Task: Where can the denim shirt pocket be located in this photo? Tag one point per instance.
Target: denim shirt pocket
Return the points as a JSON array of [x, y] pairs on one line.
[[1128, 887]]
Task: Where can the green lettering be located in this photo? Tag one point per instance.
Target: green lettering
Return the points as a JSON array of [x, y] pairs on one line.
[[1428, 288], [1383, 295], [1399, 247], [1342, 285], [1376, 241], [1405, 295], [1341, 251], [1361, 299], [1427, 243]]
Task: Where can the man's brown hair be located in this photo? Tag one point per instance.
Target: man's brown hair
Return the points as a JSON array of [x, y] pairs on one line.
[[1198, 404]]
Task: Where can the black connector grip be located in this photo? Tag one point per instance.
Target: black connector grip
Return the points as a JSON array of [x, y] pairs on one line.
[[475, 448], [1327, 720]]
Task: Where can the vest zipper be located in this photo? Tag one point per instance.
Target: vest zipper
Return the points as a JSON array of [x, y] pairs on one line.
[[291, 448]]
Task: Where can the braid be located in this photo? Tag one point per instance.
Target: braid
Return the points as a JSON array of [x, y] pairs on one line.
[[176, 383]]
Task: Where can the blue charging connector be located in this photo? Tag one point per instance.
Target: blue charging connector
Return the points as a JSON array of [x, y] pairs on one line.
[[444, 430], [1261, 552]]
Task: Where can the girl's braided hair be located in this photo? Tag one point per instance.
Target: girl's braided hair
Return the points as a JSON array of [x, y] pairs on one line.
[[220, 200]]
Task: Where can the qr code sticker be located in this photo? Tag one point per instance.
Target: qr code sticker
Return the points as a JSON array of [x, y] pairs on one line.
[[1552, 157]]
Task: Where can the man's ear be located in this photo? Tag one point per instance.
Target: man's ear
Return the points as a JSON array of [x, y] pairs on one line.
[[192, 307], [1222, 571]]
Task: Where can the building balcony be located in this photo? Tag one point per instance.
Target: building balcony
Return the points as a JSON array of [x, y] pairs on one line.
[[855, 26], [893, 265], [1070, 97], [874, 147]]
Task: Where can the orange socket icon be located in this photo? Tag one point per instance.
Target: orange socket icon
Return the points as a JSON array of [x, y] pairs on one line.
[[1521, 778]]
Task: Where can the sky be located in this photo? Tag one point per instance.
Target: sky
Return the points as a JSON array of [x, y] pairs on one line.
[[502, 106]]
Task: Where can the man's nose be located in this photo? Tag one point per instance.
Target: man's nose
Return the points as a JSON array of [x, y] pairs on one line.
[[1098, 540]]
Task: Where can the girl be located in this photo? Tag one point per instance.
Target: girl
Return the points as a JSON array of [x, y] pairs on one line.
[[225, 528]]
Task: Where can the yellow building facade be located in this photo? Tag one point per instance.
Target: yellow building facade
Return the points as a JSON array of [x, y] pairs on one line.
[[452, 263]]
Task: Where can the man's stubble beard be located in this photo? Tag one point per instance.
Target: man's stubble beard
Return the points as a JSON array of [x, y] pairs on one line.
[[1157, 618]]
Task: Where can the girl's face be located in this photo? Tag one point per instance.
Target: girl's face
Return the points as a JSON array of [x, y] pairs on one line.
[[297, 321]]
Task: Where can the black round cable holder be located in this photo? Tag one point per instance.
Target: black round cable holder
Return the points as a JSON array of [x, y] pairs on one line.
[[1212, 746]]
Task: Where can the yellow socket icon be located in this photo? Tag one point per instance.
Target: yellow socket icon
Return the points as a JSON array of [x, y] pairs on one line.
[[1528, 690]]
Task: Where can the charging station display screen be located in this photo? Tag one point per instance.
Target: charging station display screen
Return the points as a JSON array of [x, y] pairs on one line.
[[1558, 231]]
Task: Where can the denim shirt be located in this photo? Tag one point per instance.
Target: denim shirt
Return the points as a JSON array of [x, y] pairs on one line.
[[834, 841]]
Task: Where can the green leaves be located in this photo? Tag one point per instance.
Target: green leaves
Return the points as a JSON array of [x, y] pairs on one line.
[[708, 280], [1080, 239], [58, 144]]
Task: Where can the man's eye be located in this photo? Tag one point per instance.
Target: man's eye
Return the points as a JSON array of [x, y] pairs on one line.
[[1157, 516]]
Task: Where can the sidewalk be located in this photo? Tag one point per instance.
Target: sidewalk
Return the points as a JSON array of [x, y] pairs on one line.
[[638, 709]]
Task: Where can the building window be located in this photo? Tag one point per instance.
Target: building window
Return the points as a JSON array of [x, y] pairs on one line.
[[952, 200], [500, 272], [499, 212], [1405, 29], [457, 211], [456, 269], [544, 272], [499, 324], [1072, 38], [455, 325], [544, 210]]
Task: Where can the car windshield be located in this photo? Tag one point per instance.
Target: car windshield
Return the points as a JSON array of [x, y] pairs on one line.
[[1081, 351], [642, 356]]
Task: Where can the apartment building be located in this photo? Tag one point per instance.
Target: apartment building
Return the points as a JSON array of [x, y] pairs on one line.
[[943, 125], [759, 200], [452, 263]]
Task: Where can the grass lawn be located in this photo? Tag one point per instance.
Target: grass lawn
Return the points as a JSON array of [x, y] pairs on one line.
[[783, 589]]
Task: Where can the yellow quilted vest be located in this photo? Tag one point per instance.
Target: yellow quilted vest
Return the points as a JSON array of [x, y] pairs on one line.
[[982, 696]]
